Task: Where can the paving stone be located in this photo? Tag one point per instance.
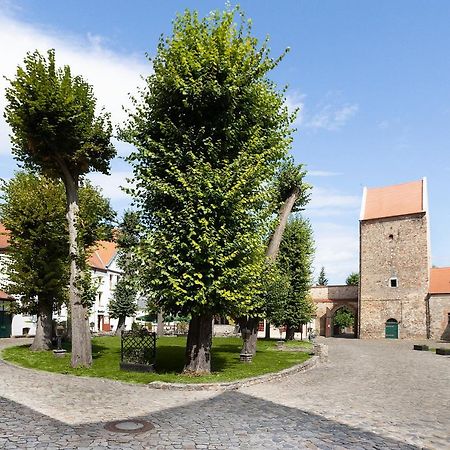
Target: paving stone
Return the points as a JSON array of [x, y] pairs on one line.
[[370, 395]]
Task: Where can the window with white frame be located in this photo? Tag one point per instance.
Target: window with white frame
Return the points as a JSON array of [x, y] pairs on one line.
[[393, 282]]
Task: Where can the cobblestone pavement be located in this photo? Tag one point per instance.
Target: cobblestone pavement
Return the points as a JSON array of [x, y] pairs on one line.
[[371, 394]]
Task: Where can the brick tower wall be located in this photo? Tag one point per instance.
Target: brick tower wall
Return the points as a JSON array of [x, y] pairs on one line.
[[394, 247]]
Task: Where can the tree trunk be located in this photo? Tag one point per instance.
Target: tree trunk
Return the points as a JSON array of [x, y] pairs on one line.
[[198, 345], [81, 335], [267, 336], [252, 324], [285, 211], [275, 241], [160, 324], [290, 330], [120, 325], [43, 337]]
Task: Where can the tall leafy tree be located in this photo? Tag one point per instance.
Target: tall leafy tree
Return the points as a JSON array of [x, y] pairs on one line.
[[353, 279], [294, 261], [33, 210], [322, 280], [210, 130], [344, 318], [124, 301], [56, 130], [291, 194]]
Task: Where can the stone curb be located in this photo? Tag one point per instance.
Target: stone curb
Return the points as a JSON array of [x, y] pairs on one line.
[[233, 385]]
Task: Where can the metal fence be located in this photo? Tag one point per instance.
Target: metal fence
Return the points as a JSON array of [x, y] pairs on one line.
[[138, 350]]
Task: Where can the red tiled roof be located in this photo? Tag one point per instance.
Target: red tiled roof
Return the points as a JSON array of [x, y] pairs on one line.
[[102, 255], [100, 258], [4, 296], [4, 237], [398, 200], [440, 280]]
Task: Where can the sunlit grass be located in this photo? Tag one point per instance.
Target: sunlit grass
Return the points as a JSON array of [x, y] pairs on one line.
[[169, 361]]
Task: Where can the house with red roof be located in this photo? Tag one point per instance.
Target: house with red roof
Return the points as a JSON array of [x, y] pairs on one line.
[[105, 273]]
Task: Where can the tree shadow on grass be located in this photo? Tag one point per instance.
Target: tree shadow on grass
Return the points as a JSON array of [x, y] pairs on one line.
[[170, 358]]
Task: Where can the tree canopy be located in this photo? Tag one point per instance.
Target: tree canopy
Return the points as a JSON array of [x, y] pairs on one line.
[[53, 119], [353, 279], [57, 131], [33, 209], [124, 301], [210, 130], [290, 304], [322, 280]]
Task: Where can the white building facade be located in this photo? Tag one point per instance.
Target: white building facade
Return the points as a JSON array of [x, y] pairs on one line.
[[105, 273]]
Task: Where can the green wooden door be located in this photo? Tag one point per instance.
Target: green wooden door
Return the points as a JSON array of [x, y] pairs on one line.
[[391, 329], [5, 324]]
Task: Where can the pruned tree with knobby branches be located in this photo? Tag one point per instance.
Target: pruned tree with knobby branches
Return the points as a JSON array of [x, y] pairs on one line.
[[57, 131]]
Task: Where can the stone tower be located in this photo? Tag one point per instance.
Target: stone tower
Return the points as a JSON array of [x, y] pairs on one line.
[[394, 261]]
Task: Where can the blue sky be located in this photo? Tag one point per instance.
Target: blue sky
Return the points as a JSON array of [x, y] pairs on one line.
[[371, 78]]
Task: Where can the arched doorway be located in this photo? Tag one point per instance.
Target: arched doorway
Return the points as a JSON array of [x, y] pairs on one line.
[[343, 321], [391, 330]]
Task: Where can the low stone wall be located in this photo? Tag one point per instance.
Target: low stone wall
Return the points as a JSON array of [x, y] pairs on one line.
[[225, 330]]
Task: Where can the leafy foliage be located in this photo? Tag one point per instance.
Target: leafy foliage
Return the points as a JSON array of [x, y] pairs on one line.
[[210, 131], [289, 301], [289, 178], [353, 279], [56, 132], [322, 280], [344, 318], [123, 303], [52, 117], [33, 210]]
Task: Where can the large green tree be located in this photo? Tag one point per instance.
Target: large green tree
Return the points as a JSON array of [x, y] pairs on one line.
[[353, 279], [33, 210], [322, 280], [56, 130], [126, 291], [295, 265], [210, 130], [291, 194]]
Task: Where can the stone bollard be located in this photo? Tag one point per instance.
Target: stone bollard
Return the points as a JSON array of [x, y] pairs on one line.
[[321, 350]]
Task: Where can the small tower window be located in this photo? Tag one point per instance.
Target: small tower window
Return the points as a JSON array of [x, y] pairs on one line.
[[393, 282]]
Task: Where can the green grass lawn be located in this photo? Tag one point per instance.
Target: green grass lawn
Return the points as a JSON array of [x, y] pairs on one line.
[[169, 361]]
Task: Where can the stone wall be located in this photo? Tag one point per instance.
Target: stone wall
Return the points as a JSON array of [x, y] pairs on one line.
[[394, 247], [439, 319], [328, 299]]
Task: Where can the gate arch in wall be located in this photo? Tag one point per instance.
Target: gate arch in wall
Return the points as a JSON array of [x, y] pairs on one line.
[[349, 332]]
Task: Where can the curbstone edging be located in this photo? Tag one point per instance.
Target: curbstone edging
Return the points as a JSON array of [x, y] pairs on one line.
[[233, 385]]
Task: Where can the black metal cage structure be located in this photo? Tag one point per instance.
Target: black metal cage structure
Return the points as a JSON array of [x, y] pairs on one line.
[[138, 350]]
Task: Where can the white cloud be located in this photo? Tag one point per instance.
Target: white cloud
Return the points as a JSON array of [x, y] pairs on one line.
[[296, 101], [111, 185], [330, 117], [330, 114], [337, 249], [322, 173], [113, 76], [329, 200], [383, 125]]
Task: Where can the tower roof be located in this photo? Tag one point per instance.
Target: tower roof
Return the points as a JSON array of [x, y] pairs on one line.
[[440, 280], [397, 200]]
